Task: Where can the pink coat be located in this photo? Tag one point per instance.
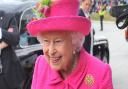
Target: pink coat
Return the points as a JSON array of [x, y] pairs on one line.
[[90, 73]]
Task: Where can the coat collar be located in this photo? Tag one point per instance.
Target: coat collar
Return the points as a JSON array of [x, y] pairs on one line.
[[76, 77]]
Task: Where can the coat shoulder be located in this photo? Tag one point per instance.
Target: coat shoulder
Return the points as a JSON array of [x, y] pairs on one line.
[[100, 70], [96, 64], [41, 63]]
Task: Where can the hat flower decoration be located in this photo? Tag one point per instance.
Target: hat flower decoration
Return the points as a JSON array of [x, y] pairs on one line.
[[41, 9]]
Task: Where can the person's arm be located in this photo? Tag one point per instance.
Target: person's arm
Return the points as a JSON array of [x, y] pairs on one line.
[[11, 36], [106, 82]]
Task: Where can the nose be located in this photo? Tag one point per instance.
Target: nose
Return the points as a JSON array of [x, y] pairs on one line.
[[52, 49]]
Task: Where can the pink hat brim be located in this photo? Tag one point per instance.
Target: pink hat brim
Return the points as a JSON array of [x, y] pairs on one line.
[[58, 23]]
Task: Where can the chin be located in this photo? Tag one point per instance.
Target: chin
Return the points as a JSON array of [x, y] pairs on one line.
[[56, 68]]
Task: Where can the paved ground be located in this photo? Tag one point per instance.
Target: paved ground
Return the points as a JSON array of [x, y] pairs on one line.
[[118, 53]]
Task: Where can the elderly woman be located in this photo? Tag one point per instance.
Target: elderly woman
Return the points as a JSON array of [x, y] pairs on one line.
[[65, 64]]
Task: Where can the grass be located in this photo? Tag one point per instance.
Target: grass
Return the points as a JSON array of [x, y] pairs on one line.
[[107, 17]]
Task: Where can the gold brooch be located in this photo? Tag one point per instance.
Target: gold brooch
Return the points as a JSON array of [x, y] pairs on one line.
[[89, 80]]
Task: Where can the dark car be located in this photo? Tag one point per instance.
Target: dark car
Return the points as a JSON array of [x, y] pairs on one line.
[[101, 48], [120, 12], [29, 48]]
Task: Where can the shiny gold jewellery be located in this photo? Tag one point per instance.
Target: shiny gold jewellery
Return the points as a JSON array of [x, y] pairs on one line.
[[89, 80]]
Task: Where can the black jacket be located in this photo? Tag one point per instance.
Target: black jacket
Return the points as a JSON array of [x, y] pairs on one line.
[[12, 75], [87, 42]]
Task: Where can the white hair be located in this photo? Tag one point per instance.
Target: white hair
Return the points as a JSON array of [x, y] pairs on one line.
[[77, 40]]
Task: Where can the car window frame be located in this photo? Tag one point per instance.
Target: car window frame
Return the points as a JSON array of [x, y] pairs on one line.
[[20, 26]]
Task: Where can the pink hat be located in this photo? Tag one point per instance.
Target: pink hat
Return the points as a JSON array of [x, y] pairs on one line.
[[62, 15]]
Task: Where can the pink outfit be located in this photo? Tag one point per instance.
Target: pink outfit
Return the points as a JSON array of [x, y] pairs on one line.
[[90, 73]]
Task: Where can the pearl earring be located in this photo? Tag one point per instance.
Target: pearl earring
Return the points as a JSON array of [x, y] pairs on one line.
[[74, 52]]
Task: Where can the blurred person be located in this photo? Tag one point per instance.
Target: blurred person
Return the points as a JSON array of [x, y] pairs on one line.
[[11, 73], [108, 7], [126, 33], [93, 9], [101, 14], [114, 2], [86, 6], [65, 63], [85, 12]]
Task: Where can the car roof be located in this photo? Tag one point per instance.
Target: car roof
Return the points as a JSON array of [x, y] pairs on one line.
[[10, 10], [16, 7]]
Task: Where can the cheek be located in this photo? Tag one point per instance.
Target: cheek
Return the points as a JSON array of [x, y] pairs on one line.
[[45, 52], [67, 52], [87, 7]]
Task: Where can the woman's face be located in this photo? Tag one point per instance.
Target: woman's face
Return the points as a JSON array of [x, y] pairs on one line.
[[58, 49], [87, 5]]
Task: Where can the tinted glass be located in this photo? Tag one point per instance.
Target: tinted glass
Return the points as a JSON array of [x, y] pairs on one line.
[[25, 38]]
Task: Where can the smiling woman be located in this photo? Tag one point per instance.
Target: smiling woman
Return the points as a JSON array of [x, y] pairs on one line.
[[55, 47], [65, 64]]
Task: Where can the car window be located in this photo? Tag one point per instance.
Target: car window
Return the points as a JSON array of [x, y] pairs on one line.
[[25, 38]]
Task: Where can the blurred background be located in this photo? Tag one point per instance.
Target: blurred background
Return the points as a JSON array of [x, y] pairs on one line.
[[117, 39]]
